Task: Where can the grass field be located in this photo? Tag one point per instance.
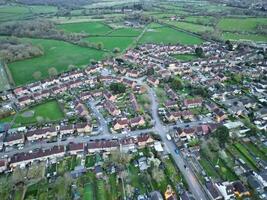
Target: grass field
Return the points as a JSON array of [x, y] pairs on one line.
[[110, 43], [185, 57], [200, 19], [88, 192], [49, 111], [57, 54], [129, 32], [239, 36], [194, 28], [91, 28], [167, 35], [241, 24], [18, 12]]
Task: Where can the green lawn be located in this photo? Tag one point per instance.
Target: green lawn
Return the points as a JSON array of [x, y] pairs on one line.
[[48, 111], [57, 54], [91, 28], [210, 171], [101, 191], [185, 57], [256, 150], [110, 43], [241, 24], [245, 153], [239, 36], [168, 35], [88, 192], [129, 32]]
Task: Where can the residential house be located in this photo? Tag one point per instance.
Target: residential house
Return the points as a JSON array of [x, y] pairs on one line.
[[240, 190], [213, 192], [3, 165], [134, 103], [14, 139], [192, 103], [153, 81], [137, 121], [83, 128], [220, 115], [111, 108], [121, 124], [75, 148], [109, 96], [226, 189]]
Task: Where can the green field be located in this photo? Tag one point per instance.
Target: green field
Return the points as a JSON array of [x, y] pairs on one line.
[[58, 54], [88, 192], [241, 24], [200, 19], [240, 37], [167, 35], [91, 28], [195, 28], [129, 32], [110, 43], [185, 57], [18, 12], [49, 111]]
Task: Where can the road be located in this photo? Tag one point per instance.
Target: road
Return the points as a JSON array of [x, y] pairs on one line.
[[189, 176]]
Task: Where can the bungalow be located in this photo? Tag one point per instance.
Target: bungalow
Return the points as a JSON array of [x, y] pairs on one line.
[[75, 148], [83, 128], [14, 139], [22, 159], [192, 103]]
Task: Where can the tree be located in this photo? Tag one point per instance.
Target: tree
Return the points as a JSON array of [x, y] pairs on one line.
[[117, 88], [222, 135], [52, 71], [100, 45], [116, 50], [176, 84], [199, 52], [229, 45], [150, 71], [37, 75]]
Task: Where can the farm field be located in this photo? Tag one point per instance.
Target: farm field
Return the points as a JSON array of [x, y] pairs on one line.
[[110, 43], [48, 111], [91, 28], [22, 71], [239, 37], [241, 24], [195, 28], [126, 32], [8, 13], [171, 36]]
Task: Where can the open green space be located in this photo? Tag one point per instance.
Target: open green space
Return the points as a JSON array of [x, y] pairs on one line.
[[126, 32], [195, 28], [48, 111], [241, 24], [88, 192], [110, 43], [200, 19], [185, 57], [57, 54], [166, 35], [240, 37], [91, 28]]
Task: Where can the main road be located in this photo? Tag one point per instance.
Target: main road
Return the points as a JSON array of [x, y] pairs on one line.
[[188, 174]]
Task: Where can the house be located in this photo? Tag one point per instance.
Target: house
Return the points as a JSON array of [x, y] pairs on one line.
[[22, 159], [240, 190], [226, 189], [185, 133], [170, 104], [170, 194], [66, 129], [128, 144], [142, 163], [83, 128], [24, 101], [219, 115], [3, 165], [75, 148], [145, 139], [111, 108], [137, 121], [134, 103], [128, 82], [121, 124], [109, 96], [14, 139], [192, 103], [37, 134], [153, 81], [213, 192]]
